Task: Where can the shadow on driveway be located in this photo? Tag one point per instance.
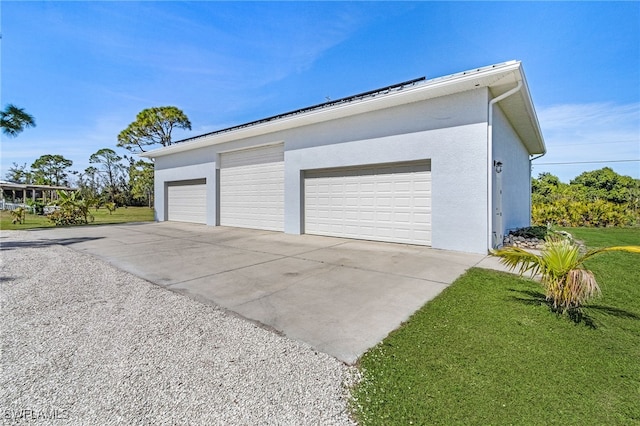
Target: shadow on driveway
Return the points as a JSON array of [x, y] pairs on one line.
[[11, 245]]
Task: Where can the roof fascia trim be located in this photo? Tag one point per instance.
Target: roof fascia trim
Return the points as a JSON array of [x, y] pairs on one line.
[[441, 86]]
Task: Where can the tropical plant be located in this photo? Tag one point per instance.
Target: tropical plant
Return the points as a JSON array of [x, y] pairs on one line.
[[14, 120], [37, 206], [567, 283], [111, 207], [18, 215], [73, 209]]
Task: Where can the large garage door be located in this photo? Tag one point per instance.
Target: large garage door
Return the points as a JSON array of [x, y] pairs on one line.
[[187, 201], [252, 188], [384, 203]]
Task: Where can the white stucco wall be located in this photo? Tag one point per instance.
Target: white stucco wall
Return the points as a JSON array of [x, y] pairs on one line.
[[516, 173], [458, 187], [451, 131]]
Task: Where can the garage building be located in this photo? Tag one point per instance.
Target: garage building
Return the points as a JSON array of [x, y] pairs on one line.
[[443, 163]]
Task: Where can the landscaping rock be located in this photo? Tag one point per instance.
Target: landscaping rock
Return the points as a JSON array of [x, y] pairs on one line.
[[85, 343], [533, 243]]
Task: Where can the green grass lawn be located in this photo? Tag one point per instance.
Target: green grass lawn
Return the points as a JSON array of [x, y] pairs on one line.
[[102, 216], [488, 351]]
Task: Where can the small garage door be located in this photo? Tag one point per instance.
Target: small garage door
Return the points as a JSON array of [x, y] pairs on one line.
[[252, 188], [187, 201], [383, 203]]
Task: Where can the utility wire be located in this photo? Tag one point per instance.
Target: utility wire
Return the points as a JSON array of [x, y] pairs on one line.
[[595, 143], [587, 162]]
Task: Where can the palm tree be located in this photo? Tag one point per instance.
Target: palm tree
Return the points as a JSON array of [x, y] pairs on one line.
[[567, 283], [14, 120]]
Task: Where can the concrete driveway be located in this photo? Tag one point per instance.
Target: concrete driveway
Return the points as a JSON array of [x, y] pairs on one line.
[[338, 295]]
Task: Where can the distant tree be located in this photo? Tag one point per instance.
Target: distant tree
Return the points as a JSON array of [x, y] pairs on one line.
[[14, 120], [605, 184], [546, 187], [88, 184], [51, 170], [594, 198], [91, 180], [110, 168], [141, 181], [19, 174], [153, 126]]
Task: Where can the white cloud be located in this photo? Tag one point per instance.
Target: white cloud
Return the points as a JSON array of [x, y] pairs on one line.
[[592, 132], [265, 43]]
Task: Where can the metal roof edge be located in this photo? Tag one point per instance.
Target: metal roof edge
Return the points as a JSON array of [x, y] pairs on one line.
[[532, 113], [379, 99]]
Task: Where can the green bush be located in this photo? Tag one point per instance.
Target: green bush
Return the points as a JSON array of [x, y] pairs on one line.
[[599, 213], [539, 232], [36, 206], [111, 207], [73, 210], [65, 217], [18, 215], [599, 198]]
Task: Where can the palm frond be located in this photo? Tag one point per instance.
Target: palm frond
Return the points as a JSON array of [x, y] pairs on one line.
[[515, 257], [568, 285], [14, 120], [580, 286], [560, 256]]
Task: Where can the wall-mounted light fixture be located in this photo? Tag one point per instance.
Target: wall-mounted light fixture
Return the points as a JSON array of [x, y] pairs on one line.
[[498, 166]]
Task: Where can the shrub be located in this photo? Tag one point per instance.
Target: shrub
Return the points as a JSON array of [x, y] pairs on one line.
[[72, 210], [18, 215], [567, 283], [65, 217], [539, 232], [36, 206], [599, 213], [111, 207]]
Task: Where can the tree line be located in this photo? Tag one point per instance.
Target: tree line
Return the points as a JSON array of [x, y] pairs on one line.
[[111, 178], [594, 198]]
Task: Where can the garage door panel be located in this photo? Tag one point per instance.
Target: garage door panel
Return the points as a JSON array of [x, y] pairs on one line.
[[187, 202], [252, 188], [386, 203]]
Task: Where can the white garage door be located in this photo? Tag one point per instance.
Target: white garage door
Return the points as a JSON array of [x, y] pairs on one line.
[[383, 203], [187, 201], [252, 188]]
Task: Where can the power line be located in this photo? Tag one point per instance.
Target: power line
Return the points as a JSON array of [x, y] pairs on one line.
[[596, 143], [587, 162]]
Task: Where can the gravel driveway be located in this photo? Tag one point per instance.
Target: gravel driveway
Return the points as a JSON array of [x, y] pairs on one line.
[[85, 343]]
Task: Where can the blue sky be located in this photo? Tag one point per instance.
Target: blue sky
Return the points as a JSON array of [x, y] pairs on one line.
[[85, 69]]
